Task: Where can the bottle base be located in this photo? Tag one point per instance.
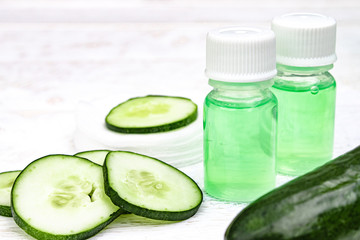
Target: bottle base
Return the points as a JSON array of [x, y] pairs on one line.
[[240, 194], [301, 167], [290, 173]]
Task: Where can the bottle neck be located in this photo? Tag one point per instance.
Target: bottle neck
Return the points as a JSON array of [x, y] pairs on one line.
[[303, 78], [240, 86], [293, 70], [247, 93]]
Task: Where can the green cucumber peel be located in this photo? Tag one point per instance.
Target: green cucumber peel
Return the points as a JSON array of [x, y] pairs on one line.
[[148, 186]]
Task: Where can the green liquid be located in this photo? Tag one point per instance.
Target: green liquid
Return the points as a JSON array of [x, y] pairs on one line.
[[239, 148], [305, 126]]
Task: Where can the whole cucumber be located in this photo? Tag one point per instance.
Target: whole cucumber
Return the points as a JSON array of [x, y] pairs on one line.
[[323, 204]]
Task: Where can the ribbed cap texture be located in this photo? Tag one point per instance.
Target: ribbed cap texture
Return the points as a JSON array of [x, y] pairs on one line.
[[305, 39], [240, 54]]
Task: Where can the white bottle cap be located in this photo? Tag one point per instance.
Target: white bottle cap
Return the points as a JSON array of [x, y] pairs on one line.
[[305, 39], [240, 54]]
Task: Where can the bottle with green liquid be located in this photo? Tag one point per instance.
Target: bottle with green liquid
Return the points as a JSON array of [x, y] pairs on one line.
[[240, 114], [305, 91]]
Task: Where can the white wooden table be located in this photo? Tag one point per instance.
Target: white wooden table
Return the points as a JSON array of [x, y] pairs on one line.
[[55, 53]]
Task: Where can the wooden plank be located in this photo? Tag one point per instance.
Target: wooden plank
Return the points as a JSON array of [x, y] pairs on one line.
[[168, 11]]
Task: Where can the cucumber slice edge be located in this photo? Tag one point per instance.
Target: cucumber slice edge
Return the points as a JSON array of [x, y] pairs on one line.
[[157, 128], [5, 210], [142, 211], [46, 236], [31, 230], [97, 159]]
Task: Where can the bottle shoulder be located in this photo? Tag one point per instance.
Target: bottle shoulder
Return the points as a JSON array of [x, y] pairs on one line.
[[304, 82], [241, 99]]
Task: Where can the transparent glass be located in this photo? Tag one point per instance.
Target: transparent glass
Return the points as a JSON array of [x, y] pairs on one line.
[[239, 140], [306, 112]]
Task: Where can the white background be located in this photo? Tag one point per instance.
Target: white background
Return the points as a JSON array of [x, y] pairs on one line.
[[54, 53]]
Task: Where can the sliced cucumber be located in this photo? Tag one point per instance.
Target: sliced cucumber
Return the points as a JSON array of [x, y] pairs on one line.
[[6, 182], [61, 197], [149, 187], [150, 114], [96, 156]]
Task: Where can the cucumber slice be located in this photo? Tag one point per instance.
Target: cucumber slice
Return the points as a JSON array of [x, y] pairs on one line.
[[61, 197], [6, 182], [150, 114], [96, 156], [149, 187]]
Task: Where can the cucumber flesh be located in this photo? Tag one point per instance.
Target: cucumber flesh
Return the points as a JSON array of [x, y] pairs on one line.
[[149, 187], [151, 114], [61, 197], [6, 182], [96, 156]]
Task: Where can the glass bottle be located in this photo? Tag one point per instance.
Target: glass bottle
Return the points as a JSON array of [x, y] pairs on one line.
[[305, 91], [240, 114]]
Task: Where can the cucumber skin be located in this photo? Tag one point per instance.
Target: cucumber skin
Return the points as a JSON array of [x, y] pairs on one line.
[[5, 211], [80, 154], [158, 215], [155, 129], [48, 236], [322, 204]]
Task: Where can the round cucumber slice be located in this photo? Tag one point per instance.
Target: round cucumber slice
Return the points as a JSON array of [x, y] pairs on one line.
[[149, 187], [61, 197], [151, 114], [6, 182], [96, 156]]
